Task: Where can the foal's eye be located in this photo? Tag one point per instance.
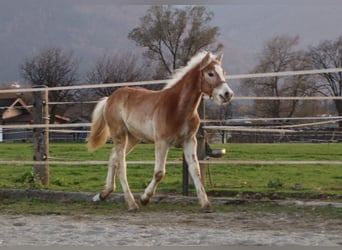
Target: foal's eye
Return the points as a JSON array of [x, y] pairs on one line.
[[210, 74]]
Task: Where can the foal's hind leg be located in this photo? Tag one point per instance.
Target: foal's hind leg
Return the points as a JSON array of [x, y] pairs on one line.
[[110, 180], [121, 143], [161, 149], [113, 166]]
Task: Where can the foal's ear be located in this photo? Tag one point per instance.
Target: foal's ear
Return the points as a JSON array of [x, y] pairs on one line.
[[219, 57], [206, 61]]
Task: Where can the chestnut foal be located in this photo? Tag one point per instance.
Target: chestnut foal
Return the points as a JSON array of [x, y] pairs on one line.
[[167, 118]]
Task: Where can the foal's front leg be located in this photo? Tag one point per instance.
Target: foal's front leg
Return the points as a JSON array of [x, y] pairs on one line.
[[161, 149], [190, 147]]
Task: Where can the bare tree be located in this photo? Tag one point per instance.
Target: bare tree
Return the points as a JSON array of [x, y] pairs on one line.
[[328, 54], [52, 67], [278, 55], [173, 35], [116, 69]]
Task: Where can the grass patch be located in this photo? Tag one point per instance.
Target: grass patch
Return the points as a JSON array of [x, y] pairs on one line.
[[308, 180]]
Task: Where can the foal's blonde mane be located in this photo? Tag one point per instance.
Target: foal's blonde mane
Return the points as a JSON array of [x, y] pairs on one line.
[[179, 73]]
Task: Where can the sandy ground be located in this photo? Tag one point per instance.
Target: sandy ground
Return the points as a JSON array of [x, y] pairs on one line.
[[169, 229]]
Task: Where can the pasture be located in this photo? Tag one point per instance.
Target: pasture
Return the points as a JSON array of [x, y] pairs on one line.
[[304, 181]]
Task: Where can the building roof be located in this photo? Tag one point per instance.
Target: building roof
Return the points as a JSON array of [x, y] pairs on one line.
[[10, 108], [4, 104]]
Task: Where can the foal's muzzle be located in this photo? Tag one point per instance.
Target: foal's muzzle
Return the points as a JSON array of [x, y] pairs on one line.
[[223, 94]]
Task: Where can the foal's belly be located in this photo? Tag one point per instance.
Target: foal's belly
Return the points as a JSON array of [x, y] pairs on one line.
[[142, 131]]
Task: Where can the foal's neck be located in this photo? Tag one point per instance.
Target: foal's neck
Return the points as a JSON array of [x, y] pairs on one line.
[[189, 90]]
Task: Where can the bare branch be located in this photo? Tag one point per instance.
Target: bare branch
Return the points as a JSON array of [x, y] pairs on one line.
[[52, 67]]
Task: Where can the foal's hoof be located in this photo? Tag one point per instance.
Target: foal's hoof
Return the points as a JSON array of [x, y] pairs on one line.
[[207, 208], [133, 209], [144, 202], [97, 198]]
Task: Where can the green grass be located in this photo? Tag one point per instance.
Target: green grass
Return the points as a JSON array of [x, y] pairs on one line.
[[307, 180]]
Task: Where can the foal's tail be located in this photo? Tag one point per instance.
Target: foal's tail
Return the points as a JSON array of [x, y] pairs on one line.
[[99, 131]]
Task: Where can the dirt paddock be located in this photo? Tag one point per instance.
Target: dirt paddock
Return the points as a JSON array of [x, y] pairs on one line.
[[168, 229], [172, 228]]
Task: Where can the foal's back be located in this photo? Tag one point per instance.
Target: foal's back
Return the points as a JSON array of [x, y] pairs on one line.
[[132, 110], [149, 115]]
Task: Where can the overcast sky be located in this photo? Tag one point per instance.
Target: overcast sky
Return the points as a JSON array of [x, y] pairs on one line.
[[93, 27]]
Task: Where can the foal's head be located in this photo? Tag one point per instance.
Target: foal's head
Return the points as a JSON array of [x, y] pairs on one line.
[[213, 79]]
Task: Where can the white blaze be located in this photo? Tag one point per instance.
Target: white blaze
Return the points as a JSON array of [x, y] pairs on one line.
[[219, 72], [219, 92]]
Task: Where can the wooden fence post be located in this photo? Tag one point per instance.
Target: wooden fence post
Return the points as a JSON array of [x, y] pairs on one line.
[[40, 113]]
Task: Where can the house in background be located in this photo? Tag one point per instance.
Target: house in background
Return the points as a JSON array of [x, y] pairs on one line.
[[14, 111]]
